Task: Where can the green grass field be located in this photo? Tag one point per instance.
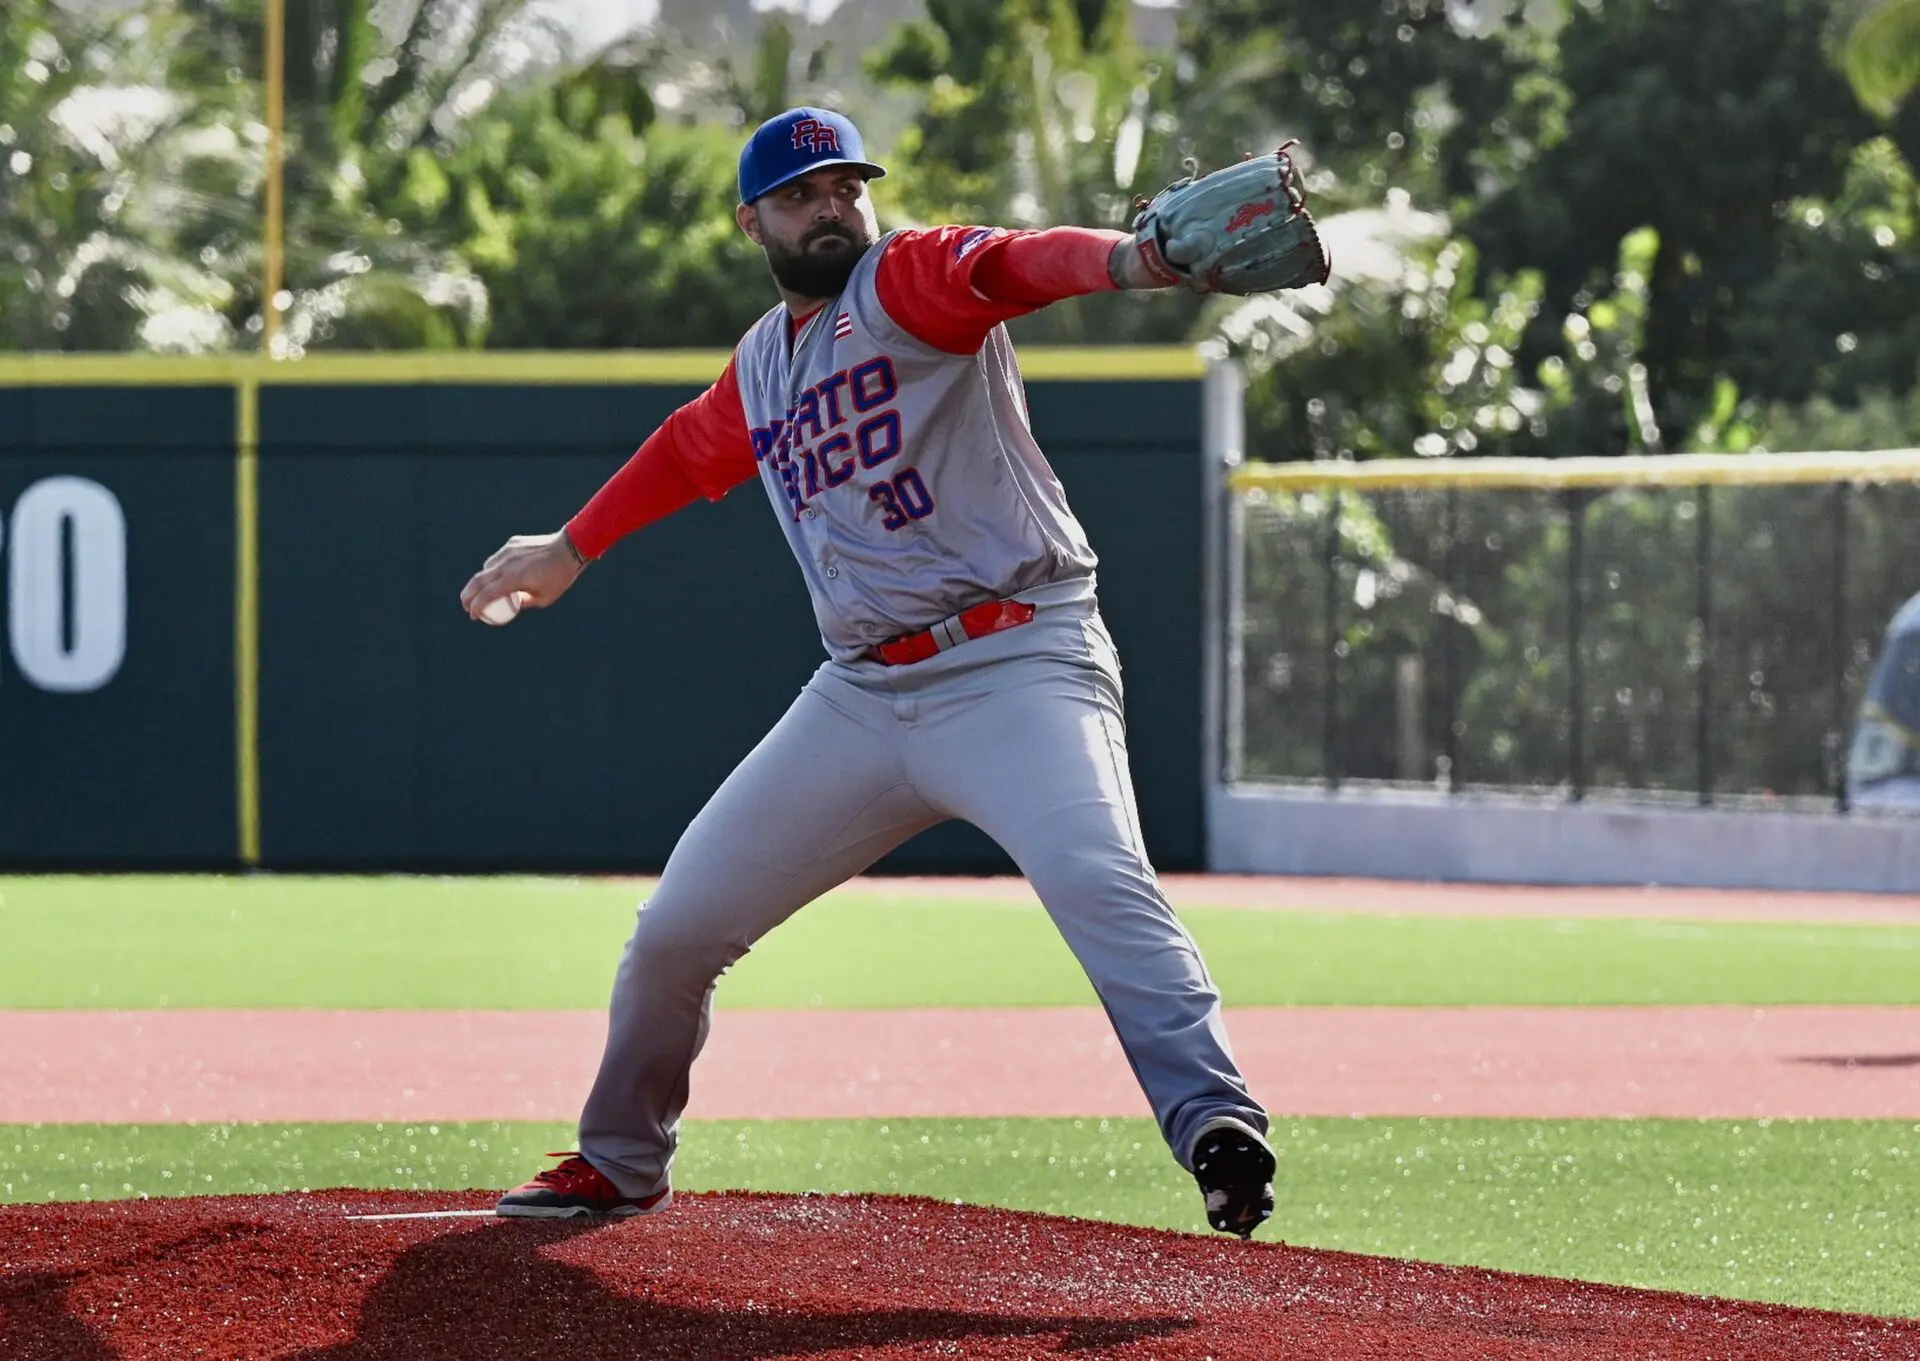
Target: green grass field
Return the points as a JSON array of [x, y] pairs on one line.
[[514, 943], [1807, 1212]]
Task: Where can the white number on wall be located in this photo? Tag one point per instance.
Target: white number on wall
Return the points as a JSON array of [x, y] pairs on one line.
[[67, 608]]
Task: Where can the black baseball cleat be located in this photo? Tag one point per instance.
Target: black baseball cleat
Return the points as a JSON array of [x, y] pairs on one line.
[[1235, 1168]]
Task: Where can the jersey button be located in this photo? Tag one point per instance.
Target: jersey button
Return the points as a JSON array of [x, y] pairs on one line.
[[833, 571], [810, 513]]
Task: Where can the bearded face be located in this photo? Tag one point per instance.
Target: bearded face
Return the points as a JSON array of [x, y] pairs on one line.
[[823, 260], [814, 230]]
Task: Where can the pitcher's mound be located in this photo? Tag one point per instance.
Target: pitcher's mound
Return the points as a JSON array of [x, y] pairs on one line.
[[762, 1276]]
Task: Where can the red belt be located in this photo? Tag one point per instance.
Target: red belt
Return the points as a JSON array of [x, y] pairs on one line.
[[977, 622]]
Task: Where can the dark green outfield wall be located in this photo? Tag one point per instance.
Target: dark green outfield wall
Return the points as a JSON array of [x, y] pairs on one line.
[[395, 731], [117, 656]]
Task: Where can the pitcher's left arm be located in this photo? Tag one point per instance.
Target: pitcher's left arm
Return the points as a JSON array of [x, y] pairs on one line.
[[952, 285]]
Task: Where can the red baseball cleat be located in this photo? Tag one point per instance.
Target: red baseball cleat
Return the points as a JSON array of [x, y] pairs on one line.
[[575, 1188]]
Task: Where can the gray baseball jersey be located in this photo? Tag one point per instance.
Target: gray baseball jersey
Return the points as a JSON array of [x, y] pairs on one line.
[[906, 478]]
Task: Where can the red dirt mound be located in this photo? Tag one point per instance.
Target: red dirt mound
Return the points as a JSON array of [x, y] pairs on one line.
[[762, 1276]]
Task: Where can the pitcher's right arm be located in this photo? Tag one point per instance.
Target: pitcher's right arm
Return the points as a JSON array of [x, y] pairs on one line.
[[702, 449]]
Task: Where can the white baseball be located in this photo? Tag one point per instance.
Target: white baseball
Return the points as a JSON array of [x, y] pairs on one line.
[[504, 609]]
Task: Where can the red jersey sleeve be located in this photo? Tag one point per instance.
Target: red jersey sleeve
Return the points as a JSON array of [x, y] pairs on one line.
[[702, 449], [950, 286]]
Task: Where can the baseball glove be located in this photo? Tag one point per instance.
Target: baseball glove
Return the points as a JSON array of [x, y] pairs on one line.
[[1239, 229]]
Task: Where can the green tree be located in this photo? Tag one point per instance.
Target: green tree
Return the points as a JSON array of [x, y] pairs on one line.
[[1421, 363], [1035, 113], [591, 232], [85, 121], [360, 97], [594, 215], [1838, 314], [1445, 101], [1699, 120]]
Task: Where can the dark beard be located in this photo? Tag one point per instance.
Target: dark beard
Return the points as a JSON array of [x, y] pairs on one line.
[[818, 274]]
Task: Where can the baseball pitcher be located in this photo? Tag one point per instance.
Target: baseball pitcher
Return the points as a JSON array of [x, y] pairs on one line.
[[968, 674]]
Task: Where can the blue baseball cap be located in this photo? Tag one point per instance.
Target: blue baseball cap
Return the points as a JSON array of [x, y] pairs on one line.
[[790, 144]]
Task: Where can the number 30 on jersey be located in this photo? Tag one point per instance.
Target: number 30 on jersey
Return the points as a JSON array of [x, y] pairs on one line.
[[901, 498]]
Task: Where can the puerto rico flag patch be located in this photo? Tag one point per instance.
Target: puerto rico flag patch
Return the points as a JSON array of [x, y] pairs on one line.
[[843, 326]]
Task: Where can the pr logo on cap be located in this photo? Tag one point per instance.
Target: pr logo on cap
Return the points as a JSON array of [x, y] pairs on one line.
[[793, 143], [810, 134]]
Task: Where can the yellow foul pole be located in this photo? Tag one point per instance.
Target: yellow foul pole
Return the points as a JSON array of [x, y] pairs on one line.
[[246, 468], [276, 133]]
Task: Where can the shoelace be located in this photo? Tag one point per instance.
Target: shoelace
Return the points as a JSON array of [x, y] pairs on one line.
[[575, 1171]]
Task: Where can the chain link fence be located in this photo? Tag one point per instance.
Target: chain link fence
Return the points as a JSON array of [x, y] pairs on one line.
[[1707, 644]]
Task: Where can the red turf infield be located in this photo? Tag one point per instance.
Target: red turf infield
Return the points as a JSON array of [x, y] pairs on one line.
[[1549, 1062], [737, 1276]]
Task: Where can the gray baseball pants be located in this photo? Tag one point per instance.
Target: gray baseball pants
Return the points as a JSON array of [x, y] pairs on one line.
[[1020, 733]]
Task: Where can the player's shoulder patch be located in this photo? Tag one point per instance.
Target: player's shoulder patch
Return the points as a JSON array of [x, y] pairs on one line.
[[970, 241]]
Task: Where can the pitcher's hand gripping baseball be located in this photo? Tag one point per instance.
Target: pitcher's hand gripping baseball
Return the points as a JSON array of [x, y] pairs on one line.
[[530, 569], [1240, 229]]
